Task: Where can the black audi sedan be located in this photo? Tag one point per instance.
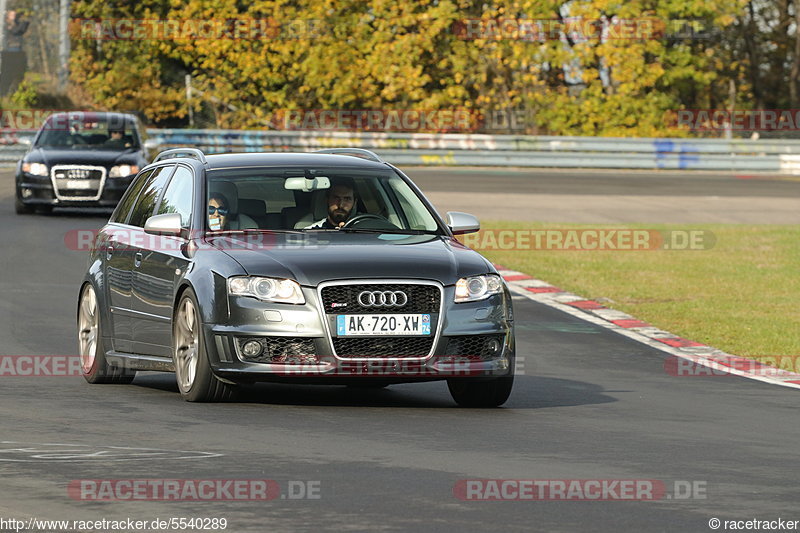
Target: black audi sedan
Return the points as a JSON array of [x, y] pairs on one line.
[[326, 268], [80, 159]]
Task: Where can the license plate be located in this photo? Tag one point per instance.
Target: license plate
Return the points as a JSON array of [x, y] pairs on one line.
[[383, 324], [78, 184]]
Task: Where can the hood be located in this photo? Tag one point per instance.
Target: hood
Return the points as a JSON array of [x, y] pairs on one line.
[[107, 158], [315, 257]]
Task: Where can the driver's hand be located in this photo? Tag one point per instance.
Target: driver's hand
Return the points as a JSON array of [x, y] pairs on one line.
[[341, 225]]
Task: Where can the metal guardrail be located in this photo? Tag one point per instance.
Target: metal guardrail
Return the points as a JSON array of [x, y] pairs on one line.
[[485, 150]]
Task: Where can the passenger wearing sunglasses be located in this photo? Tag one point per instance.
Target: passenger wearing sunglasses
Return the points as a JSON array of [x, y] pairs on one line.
[[218, 212]]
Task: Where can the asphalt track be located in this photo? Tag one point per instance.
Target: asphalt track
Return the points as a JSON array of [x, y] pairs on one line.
[[590, 405]]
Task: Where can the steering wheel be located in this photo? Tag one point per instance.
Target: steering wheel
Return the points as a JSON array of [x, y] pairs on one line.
[[356, 220]]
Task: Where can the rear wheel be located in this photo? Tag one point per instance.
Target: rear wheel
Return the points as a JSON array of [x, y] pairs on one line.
[[92, 346], [196, 380], [485, 393], [22, 209]]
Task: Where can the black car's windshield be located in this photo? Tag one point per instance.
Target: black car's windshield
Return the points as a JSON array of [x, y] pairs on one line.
[[316, 200], [89, 132]]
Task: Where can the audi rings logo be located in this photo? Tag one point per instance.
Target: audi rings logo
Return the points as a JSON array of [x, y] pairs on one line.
[[382, 299]]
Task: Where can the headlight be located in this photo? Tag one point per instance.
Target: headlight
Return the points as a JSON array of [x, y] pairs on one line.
[[36, 169], [267, 289], [122, 171], [478, 288]]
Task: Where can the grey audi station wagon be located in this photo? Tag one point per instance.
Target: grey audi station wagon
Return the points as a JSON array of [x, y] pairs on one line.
[[328, 268]]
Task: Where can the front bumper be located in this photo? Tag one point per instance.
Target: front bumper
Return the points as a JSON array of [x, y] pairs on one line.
[[307, 354], [38, 191]]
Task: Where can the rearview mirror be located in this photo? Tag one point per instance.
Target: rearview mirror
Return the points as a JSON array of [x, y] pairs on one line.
[[461, 223], [307, 184], [166, 224]]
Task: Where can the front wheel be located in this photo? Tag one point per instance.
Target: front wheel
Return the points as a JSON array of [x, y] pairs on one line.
[[196, 380], [485, 393], [92, 346]]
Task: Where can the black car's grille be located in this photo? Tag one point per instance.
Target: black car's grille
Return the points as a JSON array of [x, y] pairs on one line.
[[386, 347], [79, 174], [343, 299], [288, 350], [475, 346], [76, 182]]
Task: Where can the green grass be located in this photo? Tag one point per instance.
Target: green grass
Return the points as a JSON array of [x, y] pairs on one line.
[[740, 296]]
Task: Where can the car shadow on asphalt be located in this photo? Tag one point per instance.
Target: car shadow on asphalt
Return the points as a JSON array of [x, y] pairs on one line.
[[530, 392]]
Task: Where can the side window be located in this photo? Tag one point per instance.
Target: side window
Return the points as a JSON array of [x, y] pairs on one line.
[[178, 196], [146, 203], [124, 206]]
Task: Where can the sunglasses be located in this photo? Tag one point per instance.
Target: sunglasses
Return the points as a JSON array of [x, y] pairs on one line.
[[223, 211]]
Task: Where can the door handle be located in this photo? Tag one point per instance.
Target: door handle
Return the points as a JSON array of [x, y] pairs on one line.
[[137, 259]]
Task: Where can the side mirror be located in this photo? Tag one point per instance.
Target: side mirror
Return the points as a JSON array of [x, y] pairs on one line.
[[166, 224], [151, 144], [461, 223]]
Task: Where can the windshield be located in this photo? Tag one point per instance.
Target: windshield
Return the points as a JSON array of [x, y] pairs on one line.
[[95, 133], [316, 200]]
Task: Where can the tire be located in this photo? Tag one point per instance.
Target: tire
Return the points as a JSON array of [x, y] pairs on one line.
[[485, 393], [92, 345], [22, 209], [196, 380]]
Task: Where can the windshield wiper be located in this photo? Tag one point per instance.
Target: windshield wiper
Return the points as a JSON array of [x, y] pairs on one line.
[[397, 231]]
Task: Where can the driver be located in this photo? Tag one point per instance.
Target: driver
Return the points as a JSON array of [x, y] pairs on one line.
[[341, 199], [116, 140]]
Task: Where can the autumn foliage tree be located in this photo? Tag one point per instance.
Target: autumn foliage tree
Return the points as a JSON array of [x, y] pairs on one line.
[[594, 67]]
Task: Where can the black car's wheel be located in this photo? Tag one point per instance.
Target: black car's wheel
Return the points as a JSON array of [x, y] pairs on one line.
[[485, 393], [21, 208], [196, 380], [92, 347]]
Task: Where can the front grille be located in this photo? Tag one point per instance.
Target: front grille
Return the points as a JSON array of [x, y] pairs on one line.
[[78, 182], [474, 346], [383, 347], [421, 298], [287, 350], [78, 173]]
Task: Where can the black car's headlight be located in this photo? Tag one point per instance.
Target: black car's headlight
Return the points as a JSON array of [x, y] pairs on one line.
[[267, 289], [477, 288], [35, 169], [122, 171]]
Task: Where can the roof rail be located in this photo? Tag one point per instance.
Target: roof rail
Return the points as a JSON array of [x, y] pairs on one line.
[[355, 152], [182, 152]]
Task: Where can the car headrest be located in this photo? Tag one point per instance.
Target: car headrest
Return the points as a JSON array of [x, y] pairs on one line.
[[251, 206], [229, 190]]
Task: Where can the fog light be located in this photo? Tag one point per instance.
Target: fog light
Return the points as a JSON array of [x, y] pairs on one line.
[[27, 193], [252, 348], [494, 347]]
